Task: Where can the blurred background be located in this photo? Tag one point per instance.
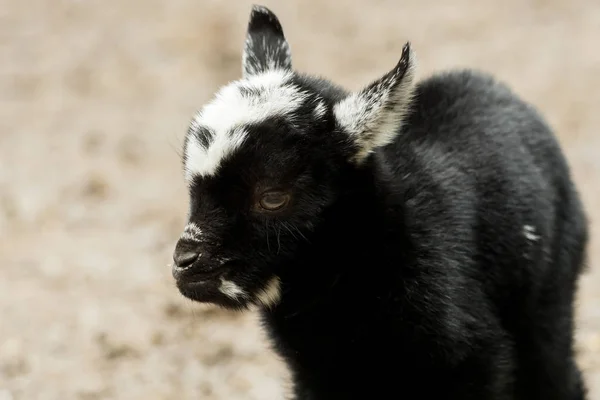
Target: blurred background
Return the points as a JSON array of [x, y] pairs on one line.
[[95, 97]]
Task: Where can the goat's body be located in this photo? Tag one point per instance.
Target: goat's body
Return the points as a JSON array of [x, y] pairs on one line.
[[449, 270], [429, 238]]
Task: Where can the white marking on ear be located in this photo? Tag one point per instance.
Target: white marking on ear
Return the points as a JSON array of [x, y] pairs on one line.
[[373, 116], [247, 67], [529, 232], [271, 293], [265, 47], [241, 102], [230, 289]]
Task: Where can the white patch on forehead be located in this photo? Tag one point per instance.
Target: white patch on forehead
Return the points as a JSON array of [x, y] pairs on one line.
[[230, 289], [241, 102], [320, 110], [271, 294], [529, 232], [205, 161]]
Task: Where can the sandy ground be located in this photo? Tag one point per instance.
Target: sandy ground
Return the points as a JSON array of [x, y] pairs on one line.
[[94, 99]]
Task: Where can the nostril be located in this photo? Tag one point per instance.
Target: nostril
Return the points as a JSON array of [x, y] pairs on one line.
[[185, 259]]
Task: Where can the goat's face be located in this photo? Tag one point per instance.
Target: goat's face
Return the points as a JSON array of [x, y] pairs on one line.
[[265, 158]]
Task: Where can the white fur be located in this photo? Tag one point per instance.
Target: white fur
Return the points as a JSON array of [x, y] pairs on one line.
[[230, 289], [194, 229], [271, 54], [320, 110], [367, 117], [271, 294], [205, 161], [192, 232], [189, 237], [529, 232], [247, 68], [226, 115]]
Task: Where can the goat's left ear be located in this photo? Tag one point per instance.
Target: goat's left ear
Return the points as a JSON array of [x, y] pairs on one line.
[[372, 117], [266, 47]]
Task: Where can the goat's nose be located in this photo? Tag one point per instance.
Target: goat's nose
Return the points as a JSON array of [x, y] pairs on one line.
[[184, 259]]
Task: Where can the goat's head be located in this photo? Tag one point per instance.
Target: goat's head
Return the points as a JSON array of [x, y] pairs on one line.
[[264, 159]]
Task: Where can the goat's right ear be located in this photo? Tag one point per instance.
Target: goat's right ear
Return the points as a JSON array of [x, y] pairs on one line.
[[266, 47], [372, 117]]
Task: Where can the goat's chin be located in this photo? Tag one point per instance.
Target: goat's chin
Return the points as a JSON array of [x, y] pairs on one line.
[[212, 292], [231, 295]]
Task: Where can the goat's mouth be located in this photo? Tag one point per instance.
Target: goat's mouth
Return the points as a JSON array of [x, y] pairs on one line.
[[199, 278], [205, 290], [214, 286], [201, 271]]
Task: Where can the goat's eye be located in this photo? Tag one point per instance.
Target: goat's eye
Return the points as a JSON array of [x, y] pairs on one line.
[[273, 200]]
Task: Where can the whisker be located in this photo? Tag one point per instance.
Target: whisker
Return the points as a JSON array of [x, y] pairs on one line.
[[285, 225], [300, 233], [191, 306], [268, 243], [177, 148]]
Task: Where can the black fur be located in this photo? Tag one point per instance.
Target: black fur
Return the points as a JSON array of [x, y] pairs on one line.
[[443, 267]]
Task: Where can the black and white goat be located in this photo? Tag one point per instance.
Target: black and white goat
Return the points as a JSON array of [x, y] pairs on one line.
[[407, 241]]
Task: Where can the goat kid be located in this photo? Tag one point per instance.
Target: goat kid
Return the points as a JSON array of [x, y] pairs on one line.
[[409, 240]]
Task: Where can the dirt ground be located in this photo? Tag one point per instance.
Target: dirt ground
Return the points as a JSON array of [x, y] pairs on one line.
[[95, 97]]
